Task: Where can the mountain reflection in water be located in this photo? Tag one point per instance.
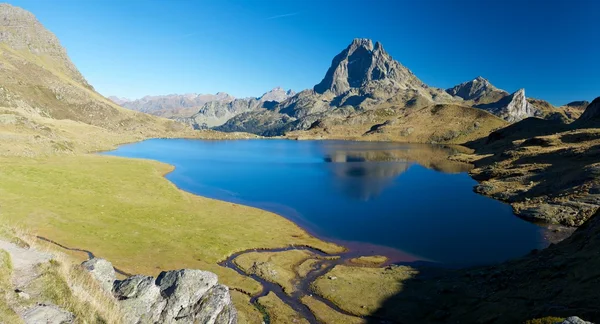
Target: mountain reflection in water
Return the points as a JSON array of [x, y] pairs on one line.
[[367, 170]]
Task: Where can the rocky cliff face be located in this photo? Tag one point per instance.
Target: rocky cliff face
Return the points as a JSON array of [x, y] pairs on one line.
[[511, 108], [182, 296], [361, 63]]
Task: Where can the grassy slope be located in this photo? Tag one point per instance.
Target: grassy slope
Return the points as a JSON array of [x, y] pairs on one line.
[[134, 217], [444, 123]]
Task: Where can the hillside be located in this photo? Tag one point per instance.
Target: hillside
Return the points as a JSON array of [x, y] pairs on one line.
[[442, 123], [46, 105]]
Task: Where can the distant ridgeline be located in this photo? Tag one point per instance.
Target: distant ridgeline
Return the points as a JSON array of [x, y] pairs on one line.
[[366, 89]]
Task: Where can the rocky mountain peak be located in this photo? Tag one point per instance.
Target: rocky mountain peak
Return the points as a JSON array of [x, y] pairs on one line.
[[20, 30], [277, 94], [476, 89], [361, 63]]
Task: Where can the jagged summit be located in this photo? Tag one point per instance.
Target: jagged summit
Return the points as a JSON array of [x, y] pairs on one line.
[[21, 31], [277, 94], [480, 90], [362, 62], [512, 107]]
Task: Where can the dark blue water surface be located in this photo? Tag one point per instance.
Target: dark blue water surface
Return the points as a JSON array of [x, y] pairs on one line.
[[403, 196]]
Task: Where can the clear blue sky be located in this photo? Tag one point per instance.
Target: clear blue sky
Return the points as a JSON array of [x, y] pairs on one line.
[[134, 48]]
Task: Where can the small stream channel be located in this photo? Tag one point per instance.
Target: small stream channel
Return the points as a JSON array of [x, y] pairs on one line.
[[303, 286]]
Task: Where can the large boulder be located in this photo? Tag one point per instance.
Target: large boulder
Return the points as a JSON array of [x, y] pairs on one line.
[[182, 296]]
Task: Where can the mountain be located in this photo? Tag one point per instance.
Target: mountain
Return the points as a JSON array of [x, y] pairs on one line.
[[173, 105], [366, 94], [119, 100], [478, 90], [47, 106], [216, 113]]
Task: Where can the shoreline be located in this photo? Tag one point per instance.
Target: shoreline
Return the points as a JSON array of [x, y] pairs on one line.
[[548, 232]]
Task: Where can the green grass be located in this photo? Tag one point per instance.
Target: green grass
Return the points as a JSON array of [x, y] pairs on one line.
[[125, 211]]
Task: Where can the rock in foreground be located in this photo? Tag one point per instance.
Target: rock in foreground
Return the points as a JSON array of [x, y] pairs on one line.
[[182, 296]]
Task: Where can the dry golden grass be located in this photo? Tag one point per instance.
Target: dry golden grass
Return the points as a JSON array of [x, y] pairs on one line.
[[371, 260], [327, 315], [444, 123], [280, 312], [276, 267], [361, 290], [247, 313]]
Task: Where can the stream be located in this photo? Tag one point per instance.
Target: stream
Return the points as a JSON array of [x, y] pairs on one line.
[[303, 286]]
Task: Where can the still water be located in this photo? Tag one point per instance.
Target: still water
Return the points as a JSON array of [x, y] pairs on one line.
[[379, 197]]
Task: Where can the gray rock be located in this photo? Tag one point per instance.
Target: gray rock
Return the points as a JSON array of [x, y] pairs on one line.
[[47, 314], [102, 271], [182, 289], [139, 298], [575, 320], [182, 296]]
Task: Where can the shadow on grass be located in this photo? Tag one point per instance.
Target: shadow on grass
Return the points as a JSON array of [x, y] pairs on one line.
[[562, 280]]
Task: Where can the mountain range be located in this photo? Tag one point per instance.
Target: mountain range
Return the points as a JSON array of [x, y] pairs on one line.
[[363, 94]]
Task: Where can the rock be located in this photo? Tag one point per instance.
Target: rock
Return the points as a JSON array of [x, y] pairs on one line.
[[575, 320], [102, 271], [182, 296], [139, 298], [511, 108], [47, 314]]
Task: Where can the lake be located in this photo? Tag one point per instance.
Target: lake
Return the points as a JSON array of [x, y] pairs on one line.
[[385, 198]]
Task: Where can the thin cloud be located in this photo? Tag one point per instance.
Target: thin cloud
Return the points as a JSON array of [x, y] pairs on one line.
[[284, 15]]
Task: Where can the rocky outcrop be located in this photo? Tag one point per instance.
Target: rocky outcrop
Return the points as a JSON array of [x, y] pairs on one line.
[[182, 296], [511, 108]]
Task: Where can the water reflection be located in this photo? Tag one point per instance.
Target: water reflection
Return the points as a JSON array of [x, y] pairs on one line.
[[363, 171]]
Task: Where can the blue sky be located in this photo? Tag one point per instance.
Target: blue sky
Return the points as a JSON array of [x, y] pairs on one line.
[[134, 48]]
